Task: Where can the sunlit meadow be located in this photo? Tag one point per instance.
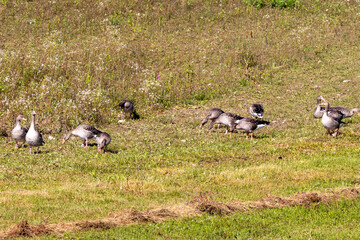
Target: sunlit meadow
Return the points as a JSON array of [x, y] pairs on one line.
[[74, 61]]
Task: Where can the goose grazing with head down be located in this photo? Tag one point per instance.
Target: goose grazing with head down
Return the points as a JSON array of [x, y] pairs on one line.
[[103, 139], [257, 111], [214, 113], [83, 131], [331, 120], [18, 133], [33, 137], [319, 110], [230, 120], [249, 125], [128, 107]]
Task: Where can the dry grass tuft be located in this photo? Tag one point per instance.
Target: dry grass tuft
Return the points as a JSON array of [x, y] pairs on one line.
[[204, 204], [136, 216], [23, 229], [87, 225]]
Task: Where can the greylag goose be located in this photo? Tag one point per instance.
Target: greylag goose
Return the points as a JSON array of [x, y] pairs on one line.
[[319, 110], [103, 139], [331, 120], [257, 111], [230, 120], [128, 107], [83, 131], [250, 124], [33, 137], [214, 113], [18, 133]]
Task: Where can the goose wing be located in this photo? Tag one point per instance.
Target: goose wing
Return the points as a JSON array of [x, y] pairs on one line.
[[336, 115], [91, 129]]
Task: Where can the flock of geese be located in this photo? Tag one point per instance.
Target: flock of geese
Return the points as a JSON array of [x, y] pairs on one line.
[[233, 121], [34, 138], [331, 119]]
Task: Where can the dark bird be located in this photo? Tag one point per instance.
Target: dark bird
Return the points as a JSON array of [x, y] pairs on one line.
[[249, 125], [230, 120], [127, 107], [257, 111]]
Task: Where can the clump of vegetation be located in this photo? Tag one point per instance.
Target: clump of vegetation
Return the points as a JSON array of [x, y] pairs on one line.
[[275, 3]]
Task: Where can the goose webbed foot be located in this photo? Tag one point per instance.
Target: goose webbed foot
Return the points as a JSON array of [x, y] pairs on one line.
[[335, 133]]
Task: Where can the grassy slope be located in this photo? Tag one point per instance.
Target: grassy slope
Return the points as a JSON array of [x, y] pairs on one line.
[[200, 54]]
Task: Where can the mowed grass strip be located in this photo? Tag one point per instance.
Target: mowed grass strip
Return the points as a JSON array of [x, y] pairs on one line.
[[255, 220]]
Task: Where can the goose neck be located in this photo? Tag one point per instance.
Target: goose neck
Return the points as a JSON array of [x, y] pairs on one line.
[[32, 125]]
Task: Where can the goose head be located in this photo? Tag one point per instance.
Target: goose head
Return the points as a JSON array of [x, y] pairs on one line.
[[327, 105], [20, 118], [102, 146], [319, 98], [355, 110], [322, 98]]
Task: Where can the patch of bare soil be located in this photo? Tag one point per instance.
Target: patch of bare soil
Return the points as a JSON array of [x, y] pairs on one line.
[[199, 205]]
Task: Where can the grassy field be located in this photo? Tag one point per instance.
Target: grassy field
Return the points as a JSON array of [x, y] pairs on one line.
[[73, 61]]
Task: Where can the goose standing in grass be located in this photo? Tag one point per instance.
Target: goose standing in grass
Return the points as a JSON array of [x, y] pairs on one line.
[[319, 110], [331, 120], [128, 107], [83, 131], [103, 139], [343, 110], [250, 124], [214, 113], [229, 120], [18, 133], [33, 137], [256, 110]]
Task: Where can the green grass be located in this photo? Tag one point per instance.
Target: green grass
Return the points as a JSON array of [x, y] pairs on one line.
[[73, 61], [151, 164]]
